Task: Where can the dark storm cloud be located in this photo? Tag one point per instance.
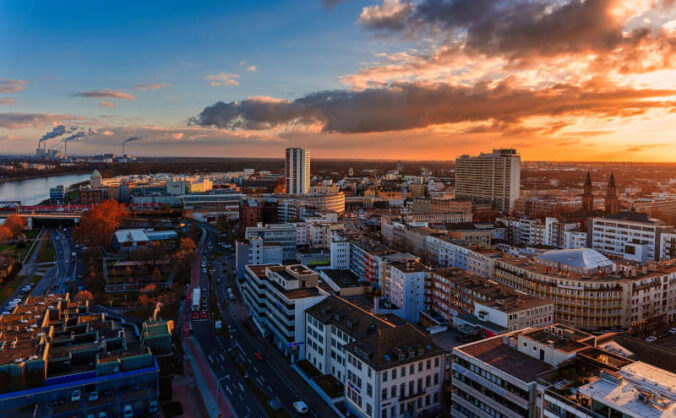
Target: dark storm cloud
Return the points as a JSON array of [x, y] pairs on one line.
[[416, 105], [515, 29]]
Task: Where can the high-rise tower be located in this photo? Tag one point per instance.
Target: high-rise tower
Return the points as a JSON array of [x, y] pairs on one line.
[[297, 170]]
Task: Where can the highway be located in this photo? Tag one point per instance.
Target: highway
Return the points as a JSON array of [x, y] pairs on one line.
[[61, 277], [273, 374]]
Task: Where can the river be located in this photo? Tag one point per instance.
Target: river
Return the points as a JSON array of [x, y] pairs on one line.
[[34, 191]]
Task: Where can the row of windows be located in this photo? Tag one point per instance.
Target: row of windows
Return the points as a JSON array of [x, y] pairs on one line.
[[428, 366]]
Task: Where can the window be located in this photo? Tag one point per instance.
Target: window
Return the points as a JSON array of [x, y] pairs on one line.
[[411, 369], [385, 374], [429, 364], [384, 394], [369, 390], [394, 374], [369, 372], [402, 390], [428, 380], [393, 392], [403, 371], [369, 409], [436, 379], [420, 386], [436, 362], [435, 397]]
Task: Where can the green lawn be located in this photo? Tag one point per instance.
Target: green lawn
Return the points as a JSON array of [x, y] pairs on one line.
[[47, 252], [10, 287]]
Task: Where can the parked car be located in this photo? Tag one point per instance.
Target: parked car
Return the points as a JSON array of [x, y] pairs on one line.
[[75, 397], [93, 396], [300, 407], [128, 411], [258, 356], [152, 407], [651, 339]]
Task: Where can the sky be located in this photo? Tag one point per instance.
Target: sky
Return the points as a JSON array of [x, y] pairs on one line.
[[560, 80]]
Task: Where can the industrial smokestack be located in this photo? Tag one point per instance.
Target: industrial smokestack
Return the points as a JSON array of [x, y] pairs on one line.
[[76, 135], [57, 131], [130, 139]]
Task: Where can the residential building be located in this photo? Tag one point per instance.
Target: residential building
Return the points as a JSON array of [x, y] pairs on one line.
[[277, 297], [60, 360], [494, 178], [667, 245], [405, 288], [297, 170], [590, 291], [255, 251], [429, 205]]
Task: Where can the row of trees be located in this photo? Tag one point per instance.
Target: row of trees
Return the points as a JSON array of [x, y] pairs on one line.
[[13, 226]]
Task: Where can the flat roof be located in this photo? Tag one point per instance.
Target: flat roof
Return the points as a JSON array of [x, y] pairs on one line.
[[495, 353]]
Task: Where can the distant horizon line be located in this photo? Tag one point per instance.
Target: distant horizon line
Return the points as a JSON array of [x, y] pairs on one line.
[[353, 159]]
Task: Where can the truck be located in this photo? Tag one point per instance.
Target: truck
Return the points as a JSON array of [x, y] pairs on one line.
[[195, 299]]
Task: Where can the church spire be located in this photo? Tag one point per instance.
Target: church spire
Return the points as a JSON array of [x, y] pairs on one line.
[[588, 195], [611, 201]]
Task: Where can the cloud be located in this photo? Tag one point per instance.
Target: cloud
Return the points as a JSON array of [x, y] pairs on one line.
[[520, 30], [328, 4], [12, 86], [106, 104], [223, 79], [642, 147], [416, 105], [105, 94], [151, 86], [390, 15], [8, 100], [251, 68], [35, 120]]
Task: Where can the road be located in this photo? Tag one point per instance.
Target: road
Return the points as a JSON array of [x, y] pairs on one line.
[[272, 375], [61, 277]]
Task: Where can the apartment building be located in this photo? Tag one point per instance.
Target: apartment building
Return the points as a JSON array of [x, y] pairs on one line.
[[667, 245], [297, 170], [442, 252], [489, 306], [590, 291], [423, 205], [277, 297], [60, 360], [405, 288], [631, 235], [256, 252], [489, 177]]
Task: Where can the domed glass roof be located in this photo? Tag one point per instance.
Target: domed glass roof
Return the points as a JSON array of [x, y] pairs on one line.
[[581, 258]]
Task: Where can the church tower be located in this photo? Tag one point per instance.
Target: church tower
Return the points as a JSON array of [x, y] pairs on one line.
[[611, 200], [587, 196]]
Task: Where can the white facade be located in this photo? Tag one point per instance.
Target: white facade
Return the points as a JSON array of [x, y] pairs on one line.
[[494, 177], [406, 289], [297, 170], [633, 240], [667, 245], [280, 312], [449, 254]]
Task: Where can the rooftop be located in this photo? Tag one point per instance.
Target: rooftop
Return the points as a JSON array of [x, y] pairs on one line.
[[496, 353], [579, 258]]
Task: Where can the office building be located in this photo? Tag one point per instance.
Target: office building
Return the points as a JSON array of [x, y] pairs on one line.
[[631, 235], [297, 170], [255, 251], [283, 235], [493, 178], [57, 194]]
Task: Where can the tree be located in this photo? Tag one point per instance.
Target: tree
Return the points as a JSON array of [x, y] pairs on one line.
[[15, 223], [5, 233], [98, 224], [150, 288], [84, 296]]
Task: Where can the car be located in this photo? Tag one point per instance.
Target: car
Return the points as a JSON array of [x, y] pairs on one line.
[[152, 407], [672, 331], [204, 315], [300, 407], [258, 356], [128, 411], [93, 396], [651, 339], [195, 315], [103, 415], [275, 404], [76, 395]]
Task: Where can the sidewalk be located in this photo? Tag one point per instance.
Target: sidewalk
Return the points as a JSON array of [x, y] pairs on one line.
[[206, 381], [184, 388]]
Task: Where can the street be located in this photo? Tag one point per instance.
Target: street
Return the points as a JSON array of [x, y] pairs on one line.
[[271, 374]]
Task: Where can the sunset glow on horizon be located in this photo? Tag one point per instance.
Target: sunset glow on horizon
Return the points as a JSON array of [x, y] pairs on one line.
[[560, 80]]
